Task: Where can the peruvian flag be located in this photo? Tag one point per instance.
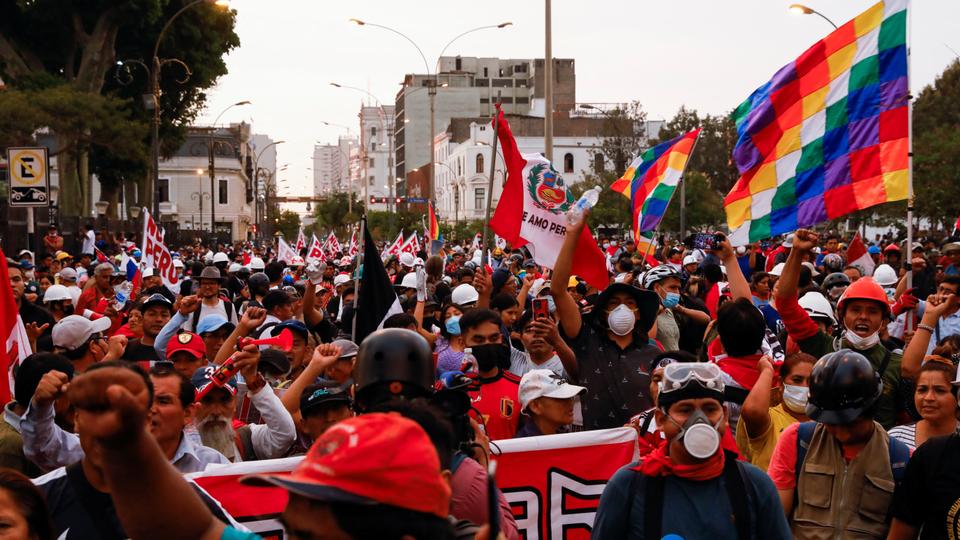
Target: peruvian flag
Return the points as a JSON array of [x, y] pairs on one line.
[[17, 343], [394, 248], [857, 255], [316, 253], [532, 210], [101, 258], [956, 227], [412, 245], [301, 241], [354, 245]]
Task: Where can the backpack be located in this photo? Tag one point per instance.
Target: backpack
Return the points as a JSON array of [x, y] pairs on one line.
[[227, 306], [899, 452], [739, 488]]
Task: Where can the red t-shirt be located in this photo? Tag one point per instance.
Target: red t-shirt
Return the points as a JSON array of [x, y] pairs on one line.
[[498, 400]]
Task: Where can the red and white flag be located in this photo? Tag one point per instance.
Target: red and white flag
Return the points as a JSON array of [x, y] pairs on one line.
[[156, 255], [857, 255], [332, 244], [316, 253], [301, 241], [394, 248], [16, 341], [411, 245], [354, 245], [285, 253], [532, 212], [101, 258]]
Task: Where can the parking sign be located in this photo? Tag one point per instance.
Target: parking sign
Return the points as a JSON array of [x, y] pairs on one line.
[[29, 176]]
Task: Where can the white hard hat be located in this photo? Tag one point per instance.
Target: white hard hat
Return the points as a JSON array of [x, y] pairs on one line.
[[777, 269], [341, 279], [296, 260], [409, 280], [256, 263], [220, 257], [55, 293], [407, 259], [885, 275], [464, 294], [177, 263], [813, 269], [418, 262], [234, 267], [208, 258], [817, 305]]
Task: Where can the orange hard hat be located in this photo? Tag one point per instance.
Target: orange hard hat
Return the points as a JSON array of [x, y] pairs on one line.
[[864, 288]]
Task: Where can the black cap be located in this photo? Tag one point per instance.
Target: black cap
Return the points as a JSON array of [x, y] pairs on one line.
[[316, 398], [274, 298], [32, 369], [156, 300], [275, 359]]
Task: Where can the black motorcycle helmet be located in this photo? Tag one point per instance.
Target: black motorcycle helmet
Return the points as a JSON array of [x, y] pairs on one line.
[[836, 279], [259, 284], [392, 363], [843, 385]]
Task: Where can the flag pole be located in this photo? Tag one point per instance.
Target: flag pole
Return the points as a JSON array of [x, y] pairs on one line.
[[356, 274], [493, 172], [908, 323]]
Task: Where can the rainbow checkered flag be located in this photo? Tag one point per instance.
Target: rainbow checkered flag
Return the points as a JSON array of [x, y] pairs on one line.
[[828, 134]]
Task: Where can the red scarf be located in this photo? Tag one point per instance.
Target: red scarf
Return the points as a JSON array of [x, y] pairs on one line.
[[659, 463]]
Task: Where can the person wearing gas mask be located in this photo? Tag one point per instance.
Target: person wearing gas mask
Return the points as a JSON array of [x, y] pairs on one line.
[[689, 485], [771, 407], [836, 475], [613, 351], [862, 310]]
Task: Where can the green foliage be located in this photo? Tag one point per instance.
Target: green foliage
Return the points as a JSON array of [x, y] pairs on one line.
[[626, 124], [712, 156], [333, 214], [289, 224], [612, 210], [385, 225], [704, 205], [936, 147]]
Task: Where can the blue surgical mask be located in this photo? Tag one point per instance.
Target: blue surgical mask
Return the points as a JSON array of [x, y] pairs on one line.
[[671, 300], [453, 325], [552, 307]]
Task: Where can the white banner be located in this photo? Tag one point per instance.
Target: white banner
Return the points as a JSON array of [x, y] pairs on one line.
[[156, 255]]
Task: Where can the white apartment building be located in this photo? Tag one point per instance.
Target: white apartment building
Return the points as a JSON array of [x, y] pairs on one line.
[[377, 142], [336, 167]]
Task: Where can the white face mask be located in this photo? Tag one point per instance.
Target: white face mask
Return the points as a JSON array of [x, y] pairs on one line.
[[621, 320], [861, 343], [701, 439], [795, 397]]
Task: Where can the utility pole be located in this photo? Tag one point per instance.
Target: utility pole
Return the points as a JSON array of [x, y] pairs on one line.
[[548, 86]]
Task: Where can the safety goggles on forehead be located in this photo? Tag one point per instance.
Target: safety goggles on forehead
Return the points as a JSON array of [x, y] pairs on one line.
[[678, 375]]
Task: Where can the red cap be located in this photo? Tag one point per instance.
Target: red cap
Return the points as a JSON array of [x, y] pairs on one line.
[[376, 458], [187, 341]]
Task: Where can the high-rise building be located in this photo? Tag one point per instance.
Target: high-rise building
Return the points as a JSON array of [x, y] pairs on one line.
[[376, 157], [468, 87], [336, 167]]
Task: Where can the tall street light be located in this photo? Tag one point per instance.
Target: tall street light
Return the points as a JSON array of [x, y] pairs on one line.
[[153, 101], [256, 185], [431, 86], [211, 158], [800, 9]]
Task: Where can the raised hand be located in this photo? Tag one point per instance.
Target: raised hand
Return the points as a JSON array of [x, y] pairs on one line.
[[805, 240], [253, 318]]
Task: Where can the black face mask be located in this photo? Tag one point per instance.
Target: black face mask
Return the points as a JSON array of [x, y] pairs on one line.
[[491, 355]]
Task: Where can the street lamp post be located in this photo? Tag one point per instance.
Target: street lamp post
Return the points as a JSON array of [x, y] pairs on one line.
[[256, 185], [432, 84], [800, 9], [211, 157]]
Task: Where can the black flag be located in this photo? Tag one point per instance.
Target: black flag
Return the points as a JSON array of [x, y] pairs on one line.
[[376, 299]]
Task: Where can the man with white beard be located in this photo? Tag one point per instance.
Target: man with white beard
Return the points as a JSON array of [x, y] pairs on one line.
[[216, 405]]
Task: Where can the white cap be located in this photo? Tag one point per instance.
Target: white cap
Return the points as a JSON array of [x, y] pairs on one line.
[[464, 294], [208, 257], [777, 269], [345, 261], [409, 280], [407, 259], [418, 262], [55, 293], [813, 269], [817, 305], [234, 267], [788, 243], [256, 263], [147, 272], [220, 257], [690, 259], [540, 383], [537, 286], [341, 279], [177, 263], [72, 332], [69, 274]]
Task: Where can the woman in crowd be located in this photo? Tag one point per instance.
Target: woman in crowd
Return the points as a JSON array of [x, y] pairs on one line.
[[449, 346], [23, 511], [935, 401]]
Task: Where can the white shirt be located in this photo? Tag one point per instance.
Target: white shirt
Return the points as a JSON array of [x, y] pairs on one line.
[[88, 242], [205, 310]]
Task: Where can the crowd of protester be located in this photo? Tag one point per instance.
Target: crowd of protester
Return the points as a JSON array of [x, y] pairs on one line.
[[777, 390]]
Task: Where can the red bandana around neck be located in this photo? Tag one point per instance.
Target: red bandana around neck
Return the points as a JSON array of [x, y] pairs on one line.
[[659, 463]]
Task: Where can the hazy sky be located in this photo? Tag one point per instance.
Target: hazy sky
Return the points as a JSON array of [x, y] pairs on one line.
[[706, 54]]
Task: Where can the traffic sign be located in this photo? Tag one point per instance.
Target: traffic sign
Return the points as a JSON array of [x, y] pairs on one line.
[[29, 176], [416, 200]]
